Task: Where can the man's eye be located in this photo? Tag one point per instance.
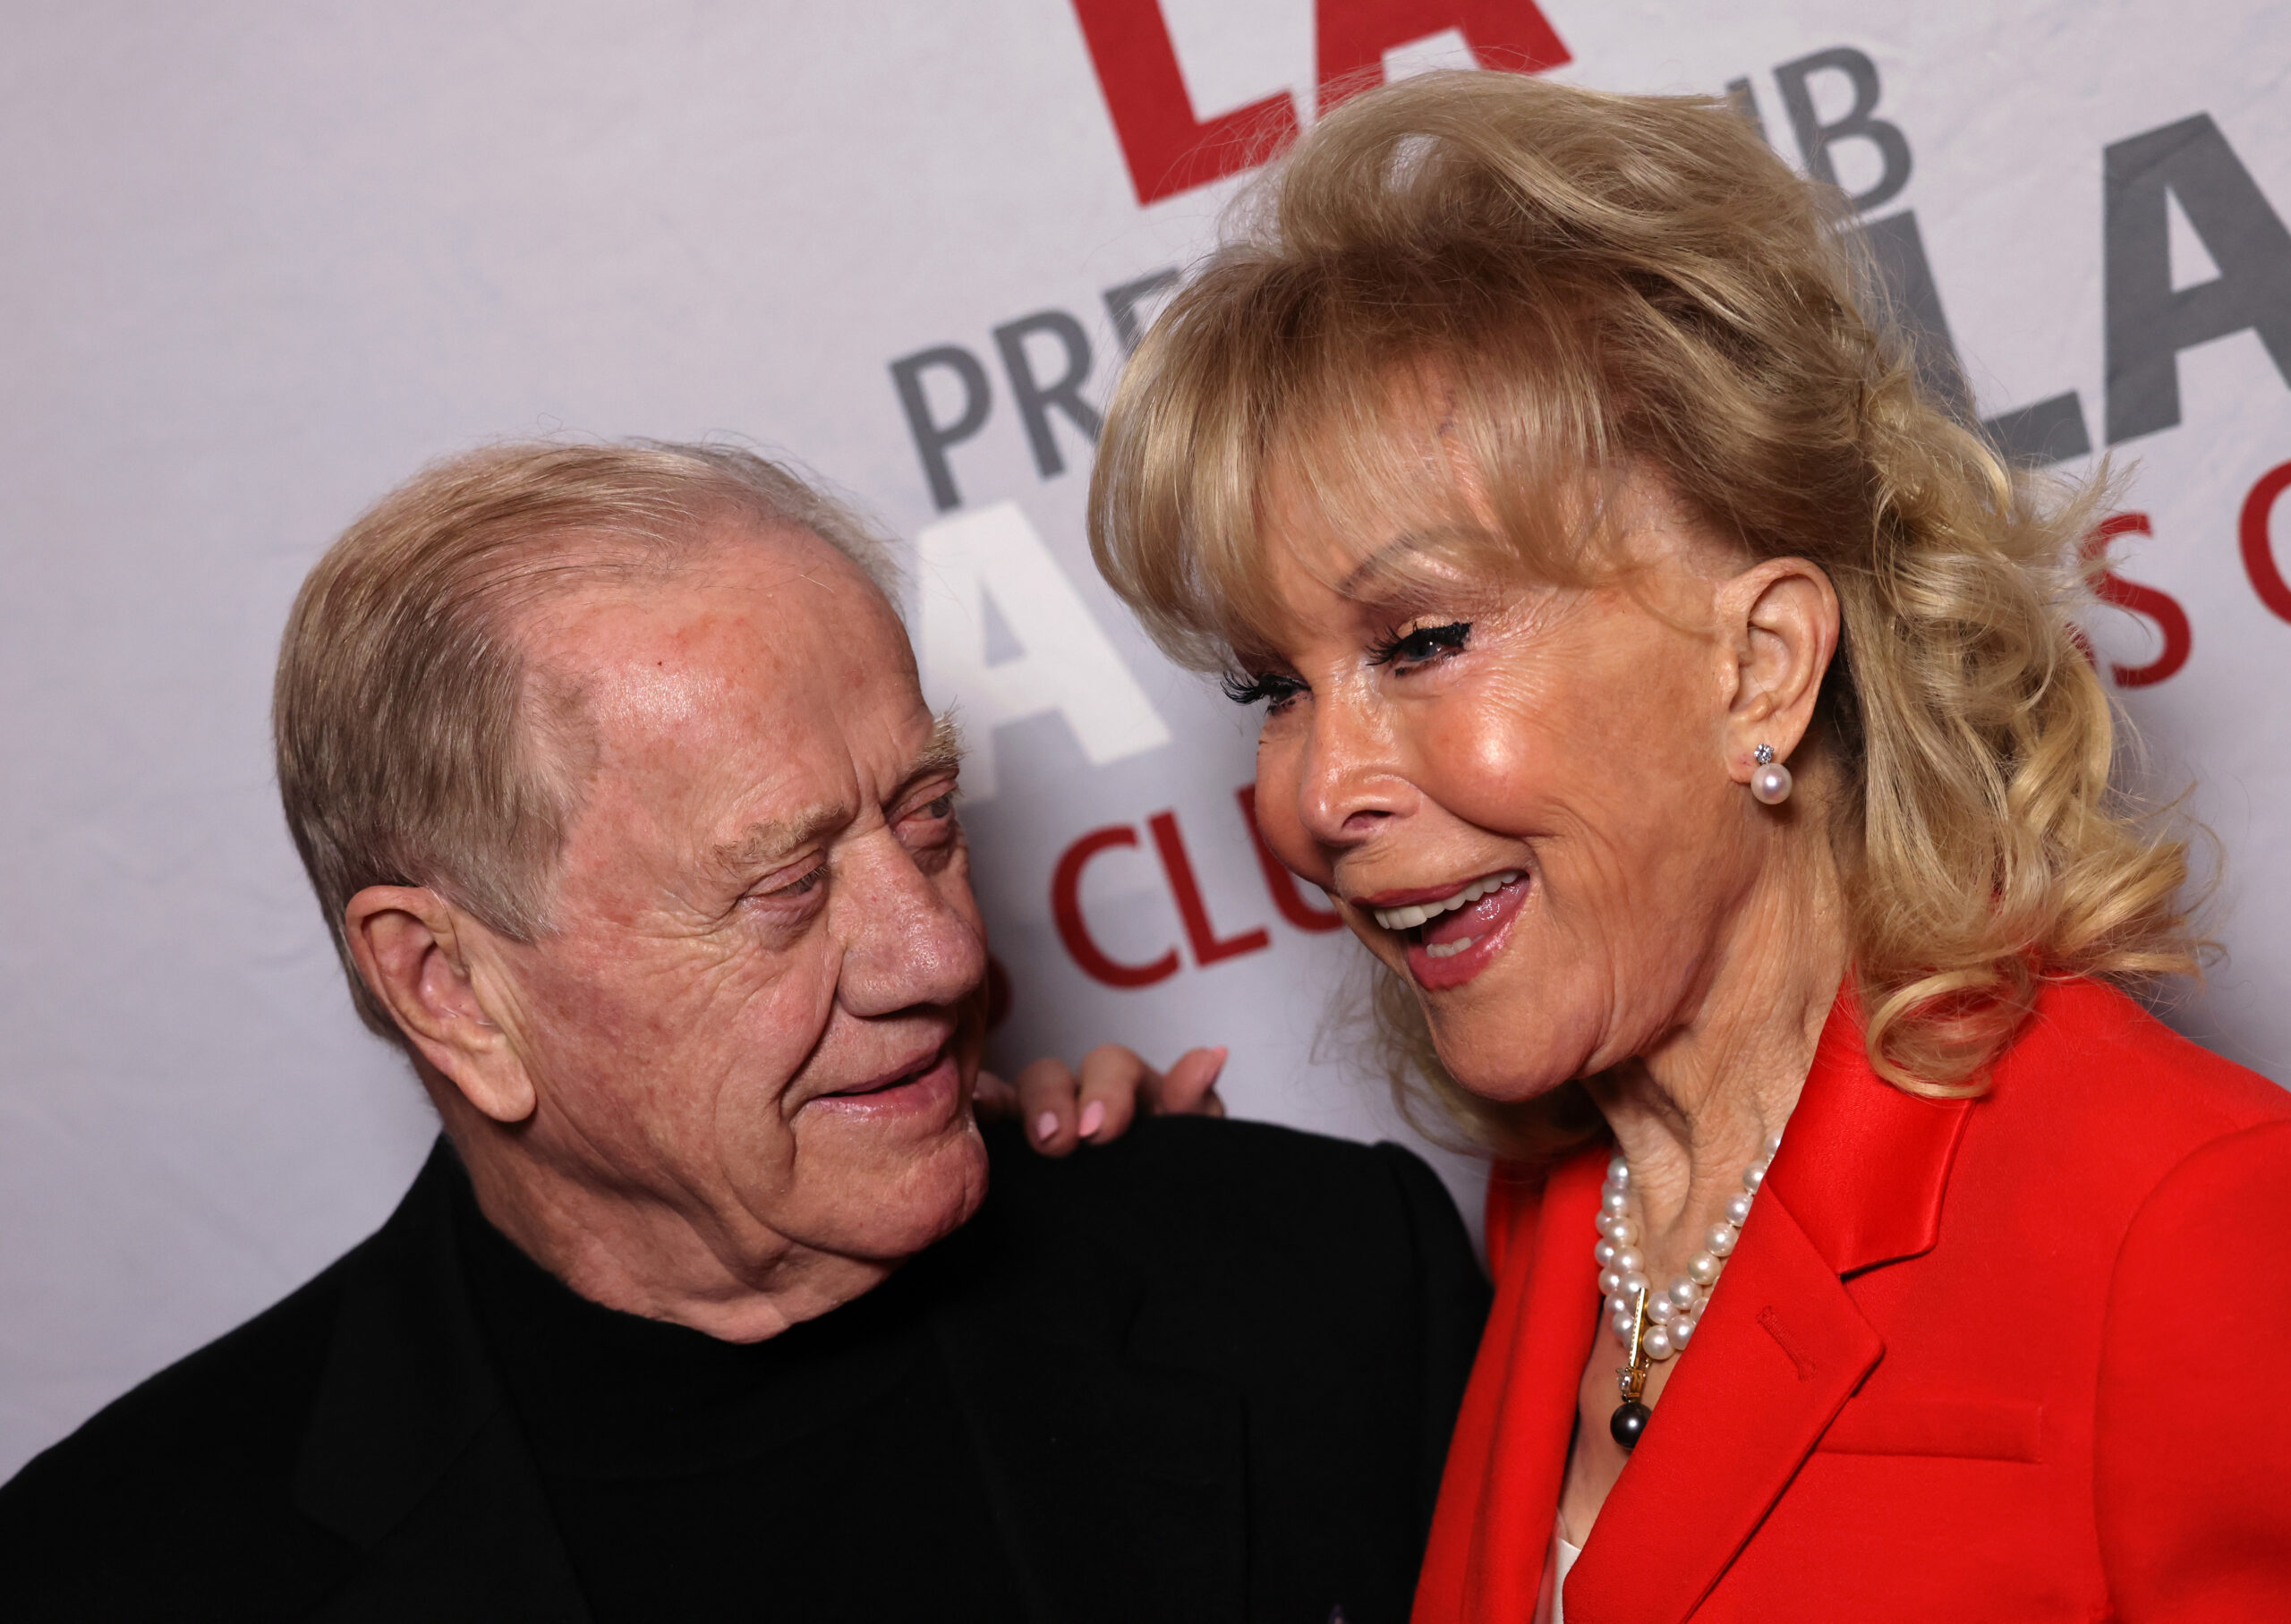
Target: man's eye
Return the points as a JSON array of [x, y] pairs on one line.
[[809, 882], [1270, 688], [1420, 644], [936, 810]]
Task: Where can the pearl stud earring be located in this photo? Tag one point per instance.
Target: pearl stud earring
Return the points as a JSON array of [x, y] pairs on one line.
[[1771, 782]]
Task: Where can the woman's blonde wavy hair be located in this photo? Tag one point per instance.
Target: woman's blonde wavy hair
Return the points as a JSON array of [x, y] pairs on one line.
[[1599, 284]]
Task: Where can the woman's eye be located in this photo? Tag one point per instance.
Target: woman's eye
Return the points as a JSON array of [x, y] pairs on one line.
[[1270, 688], [1421, 644]]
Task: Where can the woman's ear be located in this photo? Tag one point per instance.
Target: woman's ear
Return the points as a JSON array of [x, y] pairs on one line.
[[1778, 620], [412, 948]]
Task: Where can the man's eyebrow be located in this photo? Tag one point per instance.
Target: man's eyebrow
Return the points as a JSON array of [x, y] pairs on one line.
[[768, 840], [943, 754]]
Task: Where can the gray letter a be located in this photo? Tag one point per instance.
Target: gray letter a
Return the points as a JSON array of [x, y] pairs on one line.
[[2148, 323]]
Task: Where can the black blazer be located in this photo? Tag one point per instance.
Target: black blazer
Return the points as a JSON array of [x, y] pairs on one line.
[[1209, 1373]]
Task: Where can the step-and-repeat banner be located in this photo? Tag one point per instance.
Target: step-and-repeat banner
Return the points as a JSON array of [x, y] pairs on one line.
[[262, 261]]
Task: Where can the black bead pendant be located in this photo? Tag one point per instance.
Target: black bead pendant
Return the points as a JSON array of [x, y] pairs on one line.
[[1627, 1423]]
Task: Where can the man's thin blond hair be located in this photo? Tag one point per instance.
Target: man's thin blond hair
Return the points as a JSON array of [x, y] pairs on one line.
[[1577, 288], [417, 744]]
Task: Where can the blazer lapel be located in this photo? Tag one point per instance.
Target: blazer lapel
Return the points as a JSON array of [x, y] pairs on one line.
[[1499, 1497], [1864, 1166], [1859, 1184], [411, 1453], [1780, 1348]]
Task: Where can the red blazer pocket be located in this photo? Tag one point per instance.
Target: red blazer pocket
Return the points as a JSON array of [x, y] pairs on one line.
[[1972, 1429]]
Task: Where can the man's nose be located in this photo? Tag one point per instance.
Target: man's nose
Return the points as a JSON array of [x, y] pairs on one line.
[[910, 938]]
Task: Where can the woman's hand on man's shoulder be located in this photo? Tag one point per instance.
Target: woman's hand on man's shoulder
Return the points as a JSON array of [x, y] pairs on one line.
[[1064, 1106]]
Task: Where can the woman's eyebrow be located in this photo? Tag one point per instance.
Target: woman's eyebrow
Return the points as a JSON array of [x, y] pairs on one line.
[[1377, 563], [1404, 565]]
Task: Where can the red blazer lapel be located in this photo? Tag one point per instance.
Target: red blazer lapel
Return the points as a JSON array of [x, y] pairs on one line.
[[1777, 1352], [1864, 1166], [1859, 1183], [1500, 1494]]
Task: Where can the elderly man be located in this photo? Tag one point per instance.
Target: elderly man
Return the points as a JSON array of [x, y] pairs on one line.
[[610, 767]]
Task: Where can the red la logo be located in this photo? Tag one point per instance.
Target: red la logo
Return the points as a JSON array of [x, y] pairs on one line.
[[1170, 150]]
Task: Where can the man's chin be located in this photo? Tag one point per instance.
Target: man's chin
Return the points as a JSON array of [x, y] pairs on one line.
[[887, 1201]]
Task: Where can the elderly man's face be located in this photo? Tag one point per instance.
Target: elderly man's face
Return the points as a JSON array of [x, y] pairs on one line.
[[754, 1013]]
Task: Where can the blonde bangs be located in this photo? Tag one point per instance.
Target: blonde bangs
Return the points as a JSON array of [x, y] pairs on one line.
[[1271, 379]]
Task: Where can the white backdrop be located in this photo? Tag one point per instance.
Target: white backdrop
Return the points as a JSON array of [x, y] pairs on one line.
[[261, 261]]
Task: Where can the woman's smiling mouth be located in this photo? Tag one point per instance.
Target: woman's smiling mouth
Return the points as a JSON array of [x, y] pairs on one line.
[[1416, 914], [1451, 937]]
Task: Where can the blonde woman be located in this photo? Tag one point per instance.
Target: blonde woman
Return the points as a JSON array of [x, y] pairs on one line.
[[1685, 711]]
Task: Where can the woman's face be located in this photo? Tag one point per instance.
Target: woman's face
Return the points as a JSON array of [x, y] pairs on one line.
[[1519, 795]]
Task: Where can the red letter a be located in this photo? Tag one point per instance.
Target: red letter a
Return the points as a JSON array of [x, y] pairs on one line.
[[1170, 150], [1355, 35]]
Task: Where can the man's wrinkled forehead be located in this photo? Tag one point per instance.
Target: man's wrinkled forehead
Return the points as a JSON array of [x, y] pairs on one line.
[[669, 646], [744, 664]]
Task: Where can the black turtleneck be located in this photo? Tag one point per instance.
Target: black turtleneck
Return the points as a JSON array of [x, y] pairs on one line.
[[824, 1474]]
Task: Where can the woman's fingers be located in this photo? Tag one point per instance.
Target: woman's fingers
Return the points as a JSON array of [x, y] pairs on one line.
[[1190, 1088], [1115, 1081], [1061, 1108], [1047, 1093]]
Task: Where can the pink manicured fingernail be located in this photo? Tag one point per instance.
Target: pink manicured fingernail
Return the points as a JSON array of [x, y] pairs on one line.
[[1046, 1126], [1094, 1117]]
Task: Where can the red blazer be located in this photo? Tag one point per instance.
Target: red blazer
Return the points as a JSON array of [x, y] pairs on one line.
[[2022, 1357]]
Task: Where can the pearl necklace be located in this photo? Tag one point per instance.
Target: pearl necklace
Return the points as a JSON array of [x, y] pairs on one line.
[[1654, 1326]]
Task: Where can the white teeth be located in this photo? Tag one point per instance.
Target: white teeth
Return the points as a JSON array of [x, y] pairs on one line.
[[1448, 950], [1408, 918]]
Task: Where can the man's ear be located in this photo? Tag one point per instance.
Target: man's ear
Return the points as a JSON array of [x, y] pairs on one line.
[[412, 946], [1778, 622]]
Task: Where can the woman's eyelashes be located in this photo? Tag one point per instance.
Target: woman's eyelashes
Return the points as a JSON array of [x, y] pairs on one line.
[[1409, 648], [1420, 642], [1271, 688]]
